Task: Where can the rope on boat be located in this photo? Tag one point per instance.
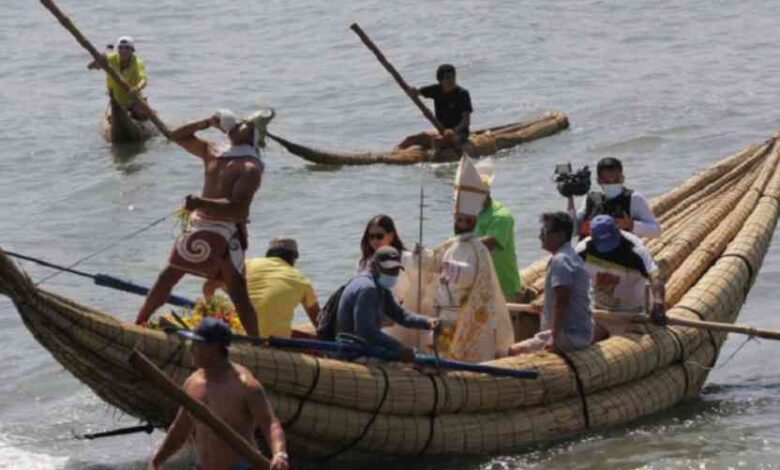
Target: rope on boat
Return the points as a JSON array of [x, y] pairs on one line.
[[305, 398], [368, 425], [731, 356], [580, 386], [432, 414], [108, 247], [683, 357], [710, 333]]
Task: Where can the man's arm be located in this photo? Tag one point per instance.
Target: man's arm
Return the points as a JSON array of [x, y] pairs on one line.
[[269, 424], [403, 317], [645, 223], [313, 312], [464, 123], [499, 233], [561, 298], [185, 136], [95, 64], [366, 316], [658, 307], [236, 206], [177, 436]]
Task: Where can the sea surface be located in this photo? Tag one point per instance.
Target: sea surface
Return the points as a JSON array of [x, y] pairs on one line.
[[667, 86]]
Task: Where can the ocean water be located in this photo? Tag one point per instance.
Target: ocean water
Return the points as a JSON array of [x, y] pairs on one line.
[[668, 87]]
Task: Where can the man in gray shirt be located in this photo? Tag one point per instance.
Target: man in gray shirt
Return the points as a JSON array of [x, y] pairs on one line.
[[566, 323], [367, 298]]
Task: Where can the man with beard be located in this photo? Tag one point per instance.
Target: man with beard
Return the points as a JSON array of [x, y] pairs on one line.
[[459, 283]]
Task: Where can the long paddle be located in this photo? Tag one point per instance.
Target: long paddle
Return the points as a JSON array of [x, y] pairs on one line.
[[381, 353], [101, 61], [105, 280], [399, 80], [198, 409], [671, 320]]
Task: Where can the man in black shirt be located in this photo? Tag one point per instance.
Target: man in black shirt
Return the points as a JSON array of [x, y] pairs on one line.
[[453, 110]]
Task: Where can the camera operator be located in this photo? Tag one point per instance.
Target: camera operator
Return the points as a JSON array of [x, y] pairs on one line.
[[630, 209]]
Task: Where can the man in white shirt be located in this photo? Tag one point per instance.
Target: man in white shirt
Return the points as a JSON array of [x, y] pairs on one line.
[[630, 209]]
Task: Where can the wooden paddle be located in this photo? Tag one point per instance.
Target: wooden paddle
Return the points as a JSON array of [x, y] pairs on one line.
[[629, 317], [400, 81], [201, 412], [100, 60]]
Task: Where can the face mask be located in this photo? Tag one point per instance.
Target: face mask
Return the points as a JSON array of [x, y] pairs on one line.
[[387, 281], [612, 191]]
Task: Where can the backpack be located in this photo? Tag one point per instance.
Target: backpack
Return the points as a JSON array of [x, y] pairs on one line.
[[326, 319]]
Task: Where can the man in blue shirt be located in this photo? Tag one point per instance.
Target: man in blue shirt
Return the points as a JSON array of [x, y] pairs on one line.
[[367, 299]]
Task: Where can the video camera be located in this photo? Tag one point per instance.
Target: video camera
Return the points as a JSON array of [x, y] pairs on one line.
[[572, 183]]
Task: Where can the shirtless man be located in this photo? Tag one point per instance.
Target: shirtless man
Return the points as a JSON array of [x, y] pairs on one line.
[[213, 244], [233, 394]]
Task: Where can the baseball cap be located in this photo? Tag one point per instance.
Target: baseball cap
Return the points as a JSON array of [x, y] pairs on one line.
[[605, 233], [125, 41], [388, 257], [210, 330], [284, 243]]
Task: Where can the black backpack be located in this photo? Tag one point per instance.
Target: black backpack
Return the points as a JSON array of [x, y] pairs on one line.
[[326, 320]]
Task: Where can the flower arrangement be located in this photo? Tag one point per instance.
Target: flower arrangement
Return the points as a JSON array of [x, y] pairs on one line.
[[218, 306]]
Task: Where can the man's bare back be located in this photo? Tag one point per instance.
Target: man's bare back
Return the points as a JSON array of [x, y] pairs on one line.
[[223, 177]]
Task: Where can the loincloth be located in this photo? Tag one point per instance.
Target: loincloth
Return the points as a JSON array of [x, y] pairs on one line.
[[202, 247]]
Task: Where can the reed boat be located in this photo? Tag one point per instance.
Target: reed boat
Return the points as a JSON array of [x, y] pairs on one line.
[[483, 142], [119, 127], [717, 227]]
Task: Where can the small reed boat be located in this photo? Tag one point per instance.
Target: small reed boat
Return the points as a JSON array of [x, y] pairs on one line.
[[119, 127], [717, 227], [483, 142]]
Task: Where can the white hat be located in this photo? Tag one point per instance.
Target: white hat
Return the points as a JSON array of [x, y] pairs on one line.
[[125, 41], [260, 119], [227, 120], [487, 171], [470, 191]]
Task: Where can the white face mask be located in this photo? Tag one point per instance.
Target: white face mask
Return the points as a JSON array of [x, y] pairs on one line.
[[387, 281], [612, 191]]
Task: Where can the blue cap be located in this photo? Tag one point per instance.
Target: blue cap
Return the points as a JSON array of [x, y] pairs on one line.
[[605, 233], [210, 330]]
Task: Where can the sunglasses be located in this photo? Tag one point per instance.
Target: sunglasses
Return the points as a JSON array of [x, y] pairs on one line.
[[377, 236], [125, 48]]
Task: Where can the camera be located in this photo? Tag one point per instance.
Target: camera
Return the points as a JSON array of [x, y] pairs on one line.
[[571, 183]]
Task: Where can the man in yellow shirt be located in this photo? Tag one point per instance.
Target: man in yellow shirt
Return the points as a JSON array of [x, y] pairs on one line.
[[131, 68], [276, 288]]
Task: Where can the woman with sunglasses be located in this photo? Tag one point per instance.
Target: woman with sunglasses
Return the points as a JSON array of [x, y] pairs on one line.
[[380, 231]]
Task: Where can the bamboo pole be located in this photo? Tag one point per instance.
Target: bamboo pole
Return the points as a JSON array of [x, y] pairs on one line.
[[398, 78], [671, 320], [200, 411], [101, 61]]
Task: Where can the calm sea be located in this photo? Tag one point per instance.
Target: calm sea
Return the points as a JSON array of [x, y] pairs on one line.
[[668, 87]]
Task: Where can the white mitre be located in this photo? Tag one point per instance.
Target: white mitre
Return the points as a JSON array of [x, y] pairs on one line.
[[486, 168], [470, 191]]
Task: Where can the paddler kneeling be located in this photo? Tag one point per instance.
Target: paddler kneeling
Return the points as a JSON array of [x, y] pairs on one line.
[[131, 68], [453, 110], [368, 298], [215, 240]]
